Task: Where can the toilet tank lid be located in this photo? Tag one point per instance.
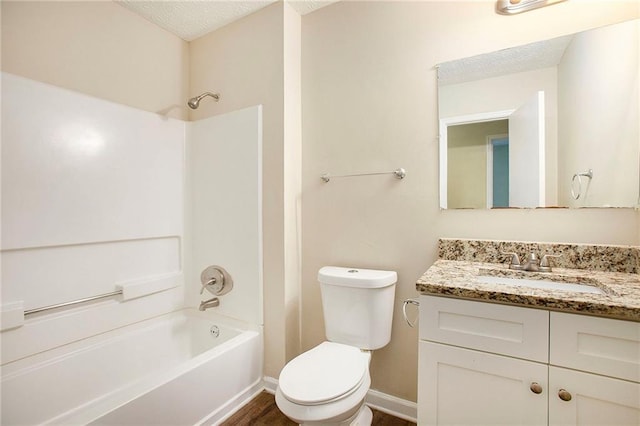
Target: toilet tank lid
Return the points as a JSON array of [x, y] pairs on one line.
[[356, 277]]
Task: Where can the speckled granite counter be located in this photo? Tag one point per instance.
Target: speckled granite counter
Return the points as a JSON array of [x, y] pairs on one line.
[[461, 278]]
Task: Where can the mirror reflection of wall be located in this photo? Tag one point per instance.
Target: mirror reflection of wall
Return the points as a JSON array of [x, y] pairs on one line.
[[471, 158], [601, 122], [591, 96]]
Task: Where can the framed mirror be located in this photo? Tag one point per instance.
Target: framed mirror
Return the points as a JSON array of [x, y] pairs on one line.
[[555, 123]]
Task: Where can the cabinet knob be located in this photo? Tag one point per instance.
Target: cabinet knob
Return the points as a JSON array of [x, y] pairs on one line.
[[564, 395], [535, 387]]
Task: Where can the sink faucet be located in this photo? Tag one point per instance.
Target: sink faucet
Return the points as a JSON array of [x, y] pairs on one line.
[[532, 262], [211, 303]]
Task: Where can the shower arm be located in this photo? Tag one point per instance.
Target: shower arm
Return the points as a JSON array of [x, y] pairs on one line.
[[215, 96], [194, 102]]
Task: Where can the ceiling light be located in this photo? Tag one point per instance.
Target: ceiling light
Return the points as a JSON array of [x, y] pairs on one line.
[[511, 7]]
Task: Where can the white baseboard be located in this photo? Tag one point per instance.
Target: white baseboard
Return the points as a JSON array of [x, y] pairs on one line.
[[393, 405], [377, 400], [270, 384]]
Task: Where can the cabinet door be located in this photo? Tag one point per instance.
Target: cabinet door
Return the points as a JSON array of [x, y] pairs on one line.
[[465, 387], [595, 400]]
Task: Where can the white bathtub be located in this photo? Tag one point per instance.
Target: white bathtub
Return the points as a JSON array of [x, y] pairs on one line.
[[169, 370]]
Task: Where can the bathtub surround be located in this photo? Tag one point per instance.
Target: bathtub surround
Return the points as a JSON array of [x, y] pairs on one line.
[[93, 202], [224, 208]]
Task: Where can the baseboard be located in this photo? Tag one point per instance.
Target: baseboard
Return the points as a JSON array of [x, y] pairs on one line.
[[270, 384], [393, 405], [377, 400]]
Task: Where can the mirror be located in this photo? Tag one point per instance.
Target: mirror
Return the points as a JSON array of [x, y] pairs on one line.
[[553, 123]]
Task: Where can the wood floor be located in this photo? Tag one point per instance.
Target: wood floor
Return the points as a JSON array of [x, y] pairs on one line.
[[262, 410]]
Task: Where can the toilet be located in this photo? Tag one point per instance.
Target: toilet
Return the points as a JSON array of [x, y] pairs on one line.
[[327, 384]]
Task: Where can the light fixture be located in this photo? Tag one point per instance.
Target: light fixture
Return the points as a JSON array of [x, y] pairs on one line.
[[511, 7]]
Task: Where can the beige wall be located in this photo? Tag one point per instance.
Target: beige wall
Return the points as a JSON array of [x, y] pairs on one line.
[[97, 48], [249, 63], [369, 104], [292, 177]]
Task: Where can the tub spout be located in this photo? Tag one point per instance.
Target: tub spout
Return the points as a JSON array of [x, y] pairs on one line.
[[211, 303]]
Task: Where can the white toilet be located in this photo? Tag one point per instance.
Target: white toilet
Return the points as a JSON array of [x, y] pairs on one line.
[[328, 384]]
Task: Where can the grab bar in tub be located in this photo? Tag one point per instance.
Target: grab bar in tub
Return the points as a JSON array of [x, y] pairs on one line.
[[128, 290], [73, 302], [12, 314]]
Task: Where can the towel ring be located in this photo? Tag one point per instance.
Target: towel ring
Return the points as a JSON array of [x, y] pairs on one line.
[[588, 174], [404, 311]]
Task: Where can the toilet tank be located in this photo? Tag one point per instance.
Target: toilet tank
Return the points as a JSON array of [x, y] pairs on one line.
[[357, 305]]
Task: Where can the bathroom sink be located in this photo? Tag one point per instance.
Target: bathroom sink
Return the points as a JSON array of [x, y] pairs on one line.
[[574, 287]]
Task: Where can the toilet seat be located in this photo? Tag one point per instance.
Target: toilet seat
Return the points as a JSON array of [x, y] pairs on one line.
[[326, 373]]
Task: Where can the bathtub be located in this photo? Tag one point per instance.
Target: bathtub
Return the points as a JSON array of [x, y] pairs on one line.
[[183, 368]]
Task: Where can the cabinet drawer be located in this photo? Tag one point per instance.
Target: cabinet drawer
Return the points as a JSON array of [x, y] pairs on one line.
[[505, 330], [599, 345]]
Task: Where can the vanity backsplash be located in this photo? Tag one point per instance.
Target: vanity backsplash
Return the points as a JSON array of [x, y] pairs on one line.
[[606, 258]]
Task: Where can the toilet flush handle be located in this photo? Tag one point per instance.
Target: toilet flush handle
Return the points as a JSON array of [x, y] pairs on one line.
[[404, 311]]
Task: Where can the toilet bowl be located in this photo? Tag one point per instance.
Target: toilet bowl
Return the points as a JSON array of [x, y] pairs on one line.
[[326, 385]]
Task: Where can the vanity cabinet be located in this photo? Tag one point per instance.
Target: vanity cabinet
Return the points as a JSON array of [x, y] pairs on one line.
[[489, 364]]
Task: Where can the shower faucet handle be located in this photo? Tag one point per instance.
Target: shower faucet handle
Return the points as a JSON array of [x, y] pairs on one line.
[[216, 280], [212, 281]]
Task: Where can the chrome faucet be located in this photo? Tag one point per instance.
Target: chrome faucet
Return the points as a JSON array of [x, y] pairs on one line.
[[211, 303], [532, 262]]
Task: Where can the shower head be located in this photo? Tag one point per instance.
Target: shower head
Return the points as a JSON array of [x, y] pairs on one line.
[[195, 102]]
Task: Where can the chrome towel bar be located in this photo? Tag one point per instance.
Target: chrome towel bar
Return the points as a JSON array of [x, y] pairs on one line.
[[73, 302], [399, 173]]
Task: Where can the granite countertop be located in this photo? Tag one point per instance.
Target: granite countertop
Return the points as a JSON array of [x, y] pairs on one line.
[[460, 278]]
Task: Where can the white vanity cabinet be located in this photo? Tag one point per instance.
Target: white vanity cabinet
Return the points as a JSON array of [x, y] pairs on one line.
[[488, 364]]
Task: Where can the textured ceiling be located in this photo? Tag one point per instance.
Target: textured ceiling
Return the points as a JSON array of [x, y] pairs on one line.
[[542, 54], [190, 19]]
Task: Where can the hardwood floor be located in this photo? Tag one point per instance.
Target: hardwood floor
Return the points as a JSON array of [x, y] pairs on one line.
[[263, 411]]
